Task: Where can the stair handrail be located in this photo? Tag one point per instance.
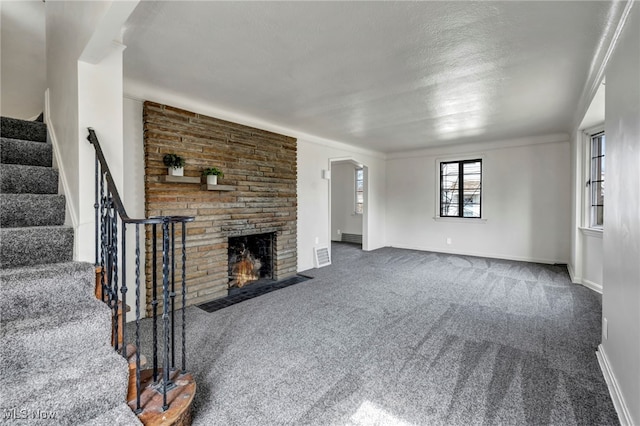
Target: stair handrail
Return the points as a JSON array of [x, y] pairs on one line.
[[108, 207], [93, 139]]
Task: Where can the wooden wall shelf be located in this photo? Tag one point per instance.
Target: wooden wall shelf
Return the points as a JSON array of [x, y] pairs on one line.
[[218, 187], [179, 179], [191, 179]]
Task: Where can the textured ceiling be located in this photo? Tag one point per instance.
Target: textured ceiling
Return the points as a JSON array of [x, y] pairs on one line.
[[388, 76]]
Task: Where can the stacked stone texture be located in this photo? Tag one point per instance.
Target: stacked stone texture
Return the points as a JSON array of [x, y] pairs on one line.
[[259, 165]]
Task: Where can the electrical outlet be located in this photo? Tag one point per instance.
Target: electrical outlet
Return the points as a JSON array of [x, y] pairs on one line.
[[339, 232], [317, 240], [449, 241], [605, 329]]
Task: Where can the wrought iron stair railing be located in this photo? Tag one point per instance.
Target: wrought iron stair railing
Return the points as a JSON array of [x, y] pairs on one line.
[[111, 221]]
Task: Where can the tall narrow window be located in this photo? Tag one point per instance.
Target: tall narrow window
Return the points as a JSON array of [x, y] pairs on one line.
[[359, 191], [461, 188], [596, 181]]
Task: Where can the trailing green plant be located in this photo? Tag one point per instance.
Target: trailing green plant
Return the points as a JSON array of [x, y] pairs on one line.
[[212, 171], [173, 160]]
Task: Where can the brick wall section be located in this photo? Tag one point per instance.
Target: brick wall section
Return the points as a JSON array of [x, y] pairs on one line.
[[260, 165]]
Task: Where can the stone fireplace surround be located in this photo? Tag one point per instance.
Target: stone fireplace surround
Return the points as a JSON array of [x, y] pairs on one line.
[[260, 171]]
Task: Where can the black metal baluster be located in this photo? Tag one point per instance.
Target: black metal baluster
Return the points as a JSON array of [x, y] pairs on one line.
[[165, 310], [109, 246], [154, 303], [124, 289], [103, 244], [184, 296], [173, 295], [114, 268], [138, 409], [96, 206]]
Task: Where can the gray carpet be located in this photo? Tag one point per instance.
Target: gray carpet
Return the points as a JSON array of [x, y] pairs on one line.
[[15, 128], [57, 366], [407, 338]]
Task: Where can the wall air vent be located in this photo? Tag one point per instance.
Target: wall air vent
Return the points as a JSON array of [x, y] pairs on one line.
[[322, 256], [351, 238]]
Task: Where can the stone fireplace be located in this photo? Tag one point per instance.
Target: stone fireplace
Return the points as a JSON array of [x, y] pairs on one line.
[[256, 196]]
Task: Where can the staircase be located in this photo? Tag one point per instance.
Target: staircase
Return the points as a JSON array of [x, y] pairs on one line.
[[57, 365]]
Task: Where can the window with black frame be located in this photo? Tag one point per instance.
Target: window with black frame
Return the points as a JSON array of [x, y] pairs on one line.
[[596, 181], [461, 189], [359, 191]]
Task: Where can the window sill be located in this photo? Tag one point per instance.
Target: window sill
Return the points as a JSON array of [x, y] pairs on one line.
[[460, 219], [592, 232]]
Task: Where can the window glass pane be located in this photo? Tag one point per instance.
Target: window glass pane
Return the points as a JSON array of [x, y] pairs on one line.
[[598, 215], [596, 169], [597, 194], [597, 179], [471, 210], [359, 191], [449, 197], [472, 168], [595, 147], [449, 182], [471, 197], [449, 169], [472, 183], [449, 203], [449, 209], [460, 176]]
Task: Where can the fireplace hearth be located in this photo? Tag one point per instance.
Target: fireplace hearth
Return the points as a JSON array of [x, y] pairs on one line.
[[250, 260]]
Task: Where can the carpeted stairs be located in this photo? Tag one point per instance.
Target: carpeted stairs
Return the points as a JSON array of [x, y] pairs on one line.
[[57, 365]]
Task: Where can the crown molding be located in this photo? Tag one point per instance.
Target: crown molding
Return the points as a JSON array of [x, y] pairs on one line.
[[482, 146]]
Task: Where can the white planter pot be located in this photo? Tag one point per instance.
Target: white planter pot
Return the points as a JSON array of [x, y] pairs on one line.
[[176, 172], [212, 179]]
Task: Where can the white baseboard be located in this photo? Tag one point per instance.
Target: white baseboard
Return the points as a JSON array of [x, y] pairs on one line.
[[588, 284], [73, 215], [614, 389], [572, 274], [489, 255], [591, 285]]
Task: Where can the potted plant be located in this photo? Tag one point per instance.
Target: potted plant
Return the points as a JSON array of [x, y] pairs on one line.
[[212, 174], [175, 164]]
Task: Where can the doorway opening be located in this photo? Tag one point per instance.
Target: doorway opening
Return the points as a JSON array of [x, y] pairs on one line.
[[348, 202]]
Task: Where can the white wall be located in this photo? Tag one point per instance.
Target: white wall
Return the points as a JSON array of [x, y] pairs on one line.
[[592, 261], [621, 239], [133, 196], [343, 217], [525, 201], [313, 197], [23, 62], [69, 26], [99, 107], [81, 95]]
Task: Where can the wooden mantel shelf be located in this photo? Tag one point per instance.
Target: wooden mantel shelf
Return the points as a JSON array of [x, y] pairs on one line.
[[218, 187], [191, 179], [179, 179]]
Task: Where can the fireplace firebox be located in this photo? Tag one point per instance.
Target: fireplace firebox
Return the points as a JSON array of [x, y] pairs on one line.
[[250, 259]]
